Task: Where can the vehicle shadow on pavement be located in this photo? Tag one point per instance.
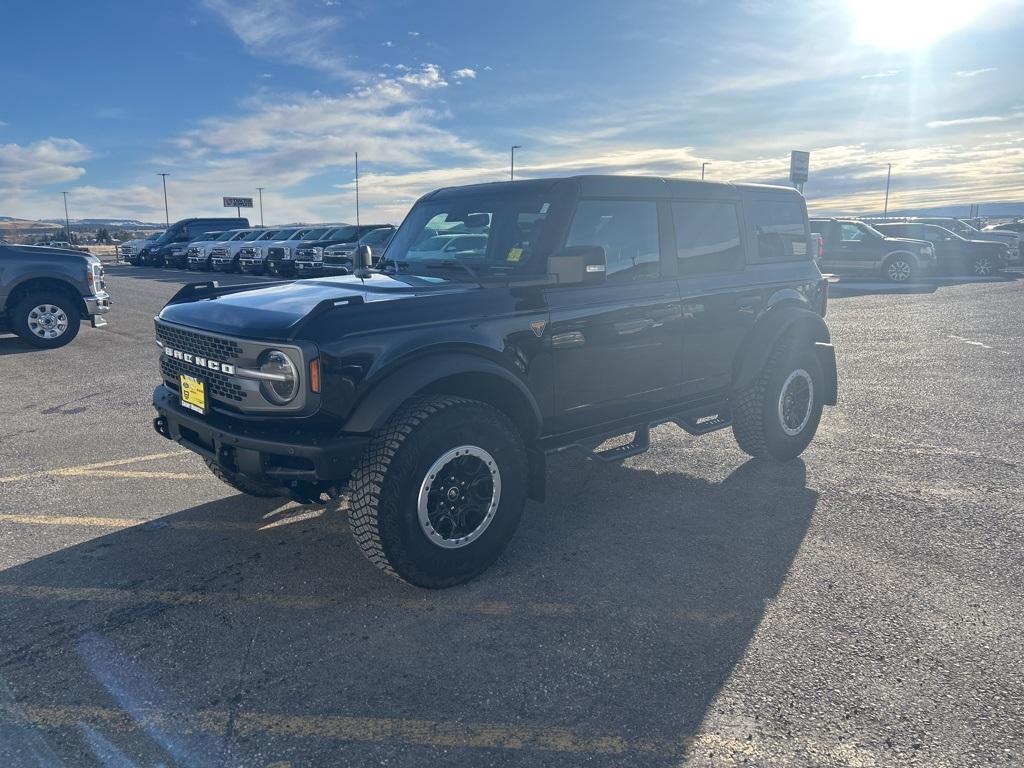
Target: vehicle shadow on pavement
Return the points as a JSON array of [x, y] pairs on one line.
[[849, 286], [184, 276], [13, 345], [602, 636]]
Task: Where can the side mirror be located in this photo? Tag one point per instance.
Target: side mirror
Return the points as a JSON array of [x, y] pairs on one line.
[[579, 264], [363, 257]]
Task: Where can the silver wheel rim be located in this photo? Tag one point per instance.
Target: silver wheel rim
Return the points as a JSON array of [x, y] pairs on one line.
[[899, 271], [796, 401], [47, 321], [459, 497], [982, 267]]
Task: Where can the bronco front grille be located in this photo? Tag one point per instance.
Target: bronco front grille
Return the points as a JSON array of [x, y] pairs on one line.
[[204, 345], [221, 386]]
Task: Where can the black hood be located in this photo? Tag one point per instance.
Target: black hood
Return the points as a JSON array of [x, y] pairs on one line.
[[273, 312]]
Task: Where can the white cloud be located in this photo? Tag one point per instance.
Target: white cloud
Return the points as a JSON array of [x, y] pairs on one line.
[[428, 76], [974, 72], [277, 29], [388, 44], [886, 73], [464, 74], [49, 161], [966, 121]]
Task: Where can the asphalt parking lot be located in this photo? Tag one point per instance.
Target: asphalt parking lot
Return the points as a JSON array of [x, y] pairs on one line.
[[860, 606]]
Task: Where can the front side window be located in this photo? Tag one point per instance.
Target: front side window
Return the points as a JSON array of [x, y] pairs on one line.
[[492, 234], [851, 233], [628, 232], [778, 225], [707, 237]]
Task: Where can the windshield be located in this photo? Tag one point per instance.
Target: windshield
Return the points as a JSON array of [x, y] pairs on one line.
[[498, 234], [225, 236], [315, 234], [240, 235], [252, 235], [155, 236], [270, 234], [376, 237], [343, 234]]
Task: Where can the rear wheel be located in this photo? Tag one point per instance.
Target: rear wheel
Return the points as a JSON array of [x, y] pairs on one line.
[[899, 269], [778, 415], [439, 492], [46, 319], [240, 483]]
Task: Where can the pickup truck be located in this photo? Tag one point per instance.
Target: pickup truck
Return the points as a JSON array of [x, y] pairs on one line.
[[852, 246], [45, 293]]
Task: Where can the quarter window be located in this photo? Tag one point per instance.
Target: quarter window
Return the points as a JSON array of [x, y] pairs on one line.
[[779, 228], [628, 232], [707, 237]]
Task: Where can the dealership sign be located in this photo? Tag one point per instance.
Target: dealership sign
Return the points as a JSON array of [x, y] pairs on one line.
[[799, 164], [238, 202]]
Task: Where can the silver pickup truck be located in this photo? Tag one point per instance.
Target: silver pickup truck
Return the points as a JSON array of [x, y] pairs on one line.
[[45, 293]]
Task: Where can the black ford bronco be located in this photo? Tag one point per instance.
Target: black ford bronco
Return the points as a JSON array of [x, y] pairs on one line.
[[433, 385]]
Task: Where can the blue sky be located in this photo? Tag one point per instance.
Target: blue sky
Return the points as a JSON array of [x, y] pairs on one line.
[[226, 96]]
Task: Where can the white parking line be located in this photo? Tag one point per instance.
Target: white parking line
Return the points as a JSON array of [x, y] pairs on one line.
[[978, 344]]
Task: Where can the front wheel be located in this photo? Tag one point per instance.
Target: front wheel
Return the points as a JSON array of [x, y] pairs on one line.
[[47, 319], [983, 266], [439, 492], [898, 269], [779, 414]]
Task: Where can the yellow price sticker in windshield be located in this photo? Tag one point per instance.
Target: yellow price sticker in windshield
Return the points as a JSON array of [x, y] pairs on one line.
[[515, 254]]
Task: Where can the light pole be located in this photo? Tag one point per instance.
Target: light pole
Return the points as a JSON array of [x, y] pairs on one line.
[[167, 216], [357, 195], [888, 176], [512, 167], [260, 190], [702, 167], [67, 221]]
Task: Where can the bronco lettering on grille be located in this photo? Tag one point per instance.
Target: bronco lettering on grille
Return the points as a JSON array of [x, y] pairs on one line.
[[198, 360]]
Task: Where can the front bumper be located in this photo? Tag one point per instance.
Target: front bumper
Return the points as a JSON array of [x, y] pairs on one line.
[[280, 266], [297, 462], [222, 264], [98, 304], [251, 265], [309, 267]]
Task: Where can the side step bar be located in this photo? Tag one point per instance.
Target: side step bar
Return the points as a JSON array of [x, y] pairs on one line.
[[641, 442]]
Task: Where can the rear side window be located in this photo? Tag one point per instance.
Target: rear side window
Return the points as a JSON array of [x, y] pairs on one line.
[[707, 237], [628, 231], [778, 226]]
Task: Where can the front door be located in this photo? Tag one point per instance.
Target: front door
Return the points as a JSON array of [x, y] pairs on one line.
[[857, 250], [616, 345]]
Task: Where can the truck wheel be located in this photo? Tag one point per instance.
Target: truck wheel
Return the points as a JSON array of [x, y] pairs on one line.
[[778, 415], [983, 266], [240, 483], [46, 319], [439, 491], [898, 269]]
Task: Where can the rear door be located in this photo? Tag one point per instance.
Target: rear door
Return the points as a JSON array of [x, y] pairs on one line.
[[718, 307], [616, 346]]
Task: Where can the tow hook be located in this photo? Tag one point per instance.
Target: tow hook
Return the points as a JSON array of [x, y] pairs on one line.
[[160, 425]]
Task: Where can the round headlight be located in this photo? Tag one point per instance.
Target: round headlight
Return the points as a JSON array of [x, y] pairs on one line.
[[281, 383]]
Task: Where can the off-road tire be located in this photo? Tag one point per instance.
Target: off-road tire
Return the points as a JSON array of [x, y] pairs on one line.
[[904, 276], [756, 424], [239, 483], [385, 487], [19, 318]]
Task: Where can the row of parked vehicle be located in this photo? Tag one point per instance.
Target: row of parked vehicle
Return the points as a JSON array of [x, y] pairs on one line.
[[231, 245], [902, 249]]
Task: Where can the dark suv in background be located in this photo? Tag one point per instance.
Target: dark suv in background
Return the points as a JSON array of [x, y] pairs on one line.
[[337, 258], [433, 389], [954, 254], [182, 232], [855, 247]]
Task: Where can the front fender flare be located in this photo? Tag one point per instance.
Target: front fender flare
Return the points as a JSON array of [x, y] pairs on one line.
[[385, 396]]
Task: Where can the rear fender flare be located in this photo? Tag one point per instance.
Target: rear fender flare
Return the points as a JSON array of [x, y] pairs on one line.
[[787, 320]]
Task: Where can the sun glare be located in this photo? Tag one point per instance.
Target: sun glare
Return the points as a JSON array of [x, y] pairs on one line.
[[911, 24]]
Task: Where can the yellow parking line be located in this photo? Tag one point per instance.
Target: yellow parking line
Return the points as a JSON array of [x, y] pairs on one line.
[[119, 523], [86, 467], [444, 734], [130, 473], [304, 603]]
